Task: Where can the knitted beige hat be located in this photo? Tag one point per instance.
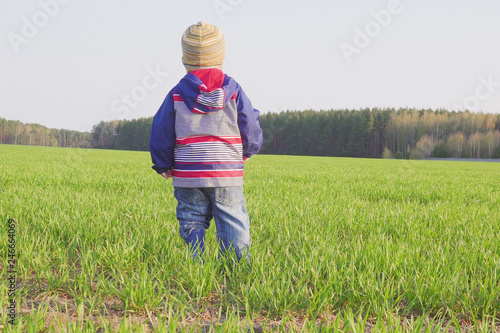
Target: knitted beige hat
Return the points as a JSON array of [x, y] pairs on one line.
[[203, 46]]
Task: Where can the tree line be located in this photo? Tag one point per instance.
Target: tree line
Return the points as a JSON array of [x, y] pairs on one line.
[[388, 133], [122, 134], [17, 133]]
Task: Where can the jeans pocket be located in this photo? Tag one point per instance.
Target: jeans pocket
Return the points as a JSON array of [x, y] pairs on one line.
[[187, 195], [229, 196]]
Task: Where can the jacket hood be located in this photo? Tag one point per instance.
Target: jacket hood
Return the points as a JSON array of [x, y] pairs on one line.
[[206, 90]]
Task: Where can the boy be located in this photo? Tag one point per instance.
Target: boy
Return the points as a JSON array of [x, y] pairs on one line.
[[201, 136]]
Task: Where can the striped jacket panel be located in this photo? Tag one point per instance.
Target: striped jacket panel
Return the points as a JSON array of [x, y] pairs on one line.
[[208, 149]]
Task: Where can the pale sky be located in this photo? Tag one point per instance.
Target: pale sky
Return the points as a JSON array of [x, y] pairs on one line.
[[72, 63]]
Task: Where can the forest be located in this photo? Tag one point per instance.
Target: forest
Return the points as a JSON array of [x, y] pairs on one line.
[[17, 133], [387, 133], [374, 133]]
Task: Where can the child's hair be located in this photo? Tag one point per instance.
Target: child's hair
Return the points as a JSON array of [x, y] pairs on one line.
[[203, 46]]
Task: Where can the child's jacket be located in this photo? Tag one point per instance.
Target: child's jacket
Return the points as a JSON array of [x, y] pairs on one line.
[[203, 129]]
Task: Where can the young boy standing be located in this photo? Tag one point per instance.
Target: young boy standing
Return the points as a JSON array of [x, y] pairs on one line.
[[201, 136]]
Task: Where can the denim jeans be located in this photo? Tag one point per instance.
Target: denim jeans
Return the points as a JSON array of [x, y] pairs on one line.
[[197, 206]]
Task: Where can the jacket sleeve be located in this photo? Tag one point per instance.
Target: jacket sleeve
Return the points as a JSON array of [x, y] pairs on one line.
[[162, 140], [248, 123]]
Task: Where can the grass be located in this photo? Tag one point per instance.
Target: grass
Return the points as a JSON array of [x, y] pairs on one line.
[[337, 244]]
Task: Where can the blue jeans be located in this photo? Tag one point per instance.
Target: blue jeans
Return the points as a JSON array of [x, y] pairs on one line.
[[197, 206]]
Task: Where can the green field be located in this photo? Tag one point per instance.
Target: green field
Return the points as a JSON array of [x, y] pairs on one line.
[[337, 243]]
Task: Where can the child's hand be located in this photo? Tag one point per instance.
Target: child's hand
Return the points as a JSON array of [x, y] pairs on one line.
[[167, 174]]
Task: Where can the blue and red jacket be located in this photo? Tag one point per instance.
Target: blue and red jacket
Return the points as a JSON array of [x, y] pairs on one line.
[[203, 129]]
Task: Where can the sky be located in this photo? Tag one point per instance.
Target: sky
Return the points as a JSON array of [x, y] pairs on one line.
[[73, 63]]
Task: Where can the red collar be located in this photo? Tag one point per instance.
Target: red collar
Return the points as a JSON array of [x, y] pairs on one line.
[[213, 78]]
